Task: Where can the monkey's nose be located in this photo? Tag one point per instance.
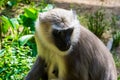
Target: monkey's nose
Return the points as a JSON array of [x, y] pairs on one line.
[[64, 46]]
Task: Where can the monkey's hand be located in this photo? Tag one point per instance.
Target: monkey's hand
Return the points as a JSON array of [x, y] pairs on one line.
[[37, 72]]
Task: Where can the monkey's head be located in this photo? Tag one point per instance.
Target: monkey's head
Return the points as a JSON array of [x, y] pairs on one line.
[[58, 28]]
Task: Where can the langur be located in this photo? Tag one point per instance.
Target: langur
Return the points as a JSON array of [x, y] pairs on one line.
[[68, 51]]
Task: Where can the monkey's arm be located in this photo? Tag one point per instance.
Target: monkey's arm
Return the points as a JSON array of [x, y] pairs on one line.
[[38, 71]]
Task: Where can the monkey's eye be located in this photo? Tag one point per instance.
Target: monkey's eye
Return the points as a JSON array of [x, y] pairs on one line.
[[63, 33], [70, 31], [56, 32]]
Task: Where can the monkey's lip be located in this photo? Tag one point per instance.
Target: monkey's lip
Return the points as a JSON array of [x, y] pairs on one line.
[[63, 48]]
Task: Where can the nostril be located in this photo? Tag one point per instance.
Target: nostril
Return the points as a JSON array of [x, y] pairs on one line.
[[68, 43], [62, 25]]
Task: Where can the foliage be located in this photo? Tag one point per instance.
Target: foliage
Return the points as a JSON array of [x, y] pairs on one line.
[[117, 62], [16, 56], [97, 23], [3, 2], [114, 20], [118, 77], [15, 62], [83, 20], [27, 19], [9, 3], [12, 3], [18, 44], [116, 39], [115, 31], [116, 58]]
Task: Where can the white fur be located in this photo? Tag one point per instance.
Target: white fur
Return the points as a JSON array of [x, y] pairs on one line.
[[76, 33]]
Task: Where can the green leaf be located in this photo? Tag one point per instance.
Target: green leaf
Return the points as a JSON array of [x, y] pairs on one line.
[[6, 23], [1, 52], [2, 69], [23, 40], [27, 22], [10, 3], [28, 18], [14, 22], [31, 13]]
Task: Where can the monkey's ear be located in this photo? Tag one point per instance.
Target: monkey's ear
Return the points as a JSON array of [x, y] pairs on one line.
[[74, 13], [40, 16]]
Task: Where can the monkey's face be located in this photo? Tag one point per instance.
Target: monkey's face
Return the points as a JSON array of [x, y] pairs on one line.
[[62, 38], [59, 28]]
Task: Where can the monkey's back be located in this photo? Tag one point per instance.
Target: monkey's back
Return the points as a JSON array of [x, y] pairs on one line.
[[93, 62]]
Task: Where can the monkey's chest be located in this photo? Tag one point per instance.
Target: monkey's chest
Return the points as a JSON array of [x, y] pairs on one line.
[[53, 71], [56, 67]]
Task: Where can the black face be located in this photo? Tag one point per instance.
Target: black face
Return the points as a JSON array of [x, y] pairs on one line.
[[62, 38]]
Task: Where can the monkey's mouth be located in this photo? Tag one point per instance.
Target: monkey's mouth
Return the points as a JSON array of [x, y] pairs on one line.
[[63, 46]]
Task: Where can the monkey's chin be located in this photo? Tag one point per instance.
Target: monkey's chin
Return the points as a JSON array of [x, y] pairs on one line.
[[65, 51], [63, 48]]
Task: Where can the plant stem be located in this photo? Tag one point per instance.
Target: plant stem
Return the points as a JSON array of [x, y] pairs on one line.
[[0, 34]]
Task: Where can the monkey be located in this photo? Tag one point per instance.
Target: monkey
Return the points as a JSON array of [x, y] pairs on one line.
[[69, 51]]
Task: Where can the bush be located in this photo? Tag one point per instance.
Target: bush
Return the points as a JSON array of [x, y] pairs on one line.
[[116, 39], [18, 45], [15, 62], [97, 23]]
